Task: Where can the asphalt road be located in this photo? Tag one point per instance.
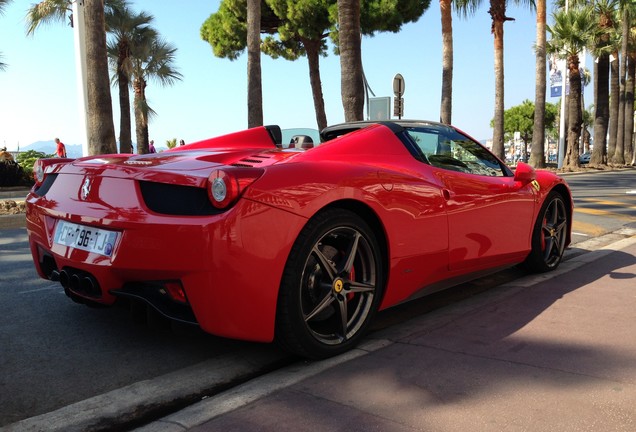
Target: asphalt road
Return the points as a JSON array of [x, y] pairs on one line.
[[55, 352]]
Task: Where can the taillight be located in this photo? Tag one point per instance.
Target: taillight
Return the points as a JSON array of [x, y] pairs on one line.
[[38, 172], [226, 185], [42, 167]]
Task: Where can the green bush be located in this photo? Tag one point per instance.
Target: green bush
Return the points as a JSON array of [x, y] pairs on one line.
[[26, 160]]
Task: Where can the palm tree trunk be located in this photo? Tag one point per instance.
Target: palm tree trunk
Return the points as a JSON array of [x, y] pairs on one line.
[[254, 83], [312, 48], [125, 128], [619, 153], [498, 13], [614, 107], [537, 156], [446, 108], [101, 130], [571, 159], [352, 83], [141, 116], [629, 103], [601, 112]]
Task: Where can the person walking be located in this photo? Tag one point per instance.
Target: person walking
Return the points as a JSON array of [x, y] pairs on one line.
[[61, 148], [151, 147]]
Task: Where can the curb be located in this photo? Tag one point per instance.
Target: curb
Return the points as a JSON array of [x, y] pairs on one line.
[[13, 221]]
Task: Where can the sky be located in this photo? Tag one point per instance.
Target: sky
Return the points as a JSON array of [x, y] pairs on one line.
[[39, 99]]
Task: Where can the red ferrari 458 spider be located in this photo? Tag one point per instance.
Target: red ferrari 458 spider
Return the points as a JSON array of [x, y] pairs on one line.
[[300, 242]]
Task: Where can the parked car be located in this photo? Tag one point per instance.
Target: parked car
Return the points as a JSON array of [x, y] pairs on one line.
[[250, 239], [585, 158]]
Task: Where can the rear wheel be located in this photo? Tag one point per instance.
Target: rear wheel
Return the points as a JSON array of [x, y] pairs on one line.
[[331, 286], [549, 235]]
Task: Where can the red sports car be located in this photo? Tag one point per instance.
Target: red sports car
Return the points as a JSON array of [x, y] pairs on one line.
[[301, 243]]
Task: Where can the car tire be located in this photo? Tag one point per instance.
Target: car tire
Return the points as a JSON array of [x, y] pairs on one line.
[[331, 286], [549, 235]]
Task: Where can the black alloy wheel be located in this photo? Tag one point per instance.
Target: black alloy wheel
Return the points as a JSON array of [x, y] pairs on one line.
[[331, 286], [549, 235]]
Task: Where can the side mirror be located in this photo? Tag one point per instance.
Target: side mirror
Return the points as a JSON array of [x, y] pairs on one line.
[[525, 173]]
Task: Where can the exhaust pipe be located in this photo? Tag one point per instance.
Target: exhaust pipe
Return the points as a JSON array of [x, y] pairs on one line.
[[89, 286], [75, 282], [65, 279], [54, 276]]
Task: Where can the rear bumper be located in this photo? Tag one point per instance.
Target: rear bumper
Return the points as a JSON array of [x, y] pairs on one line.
[[229, 265]]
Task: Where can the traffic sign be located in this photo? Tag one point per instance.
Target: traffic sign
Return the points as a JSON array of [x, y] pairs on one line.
[[398, 85]]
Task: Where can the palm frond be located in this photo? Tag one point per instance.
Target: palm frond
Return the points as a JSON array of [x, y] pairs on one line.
[[46, 12]]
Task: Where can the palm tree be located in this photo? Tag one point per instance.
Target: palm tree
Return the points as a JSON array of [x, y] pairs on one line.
[[497, 12], [602, 45], [254, 82], [570, 34], [629, 97], [153, 61], [351, 79], [52, 11], [446, 108], [537, 155], [627, 9], [99, 119], [3, 4], [127, 29], [48, 11]]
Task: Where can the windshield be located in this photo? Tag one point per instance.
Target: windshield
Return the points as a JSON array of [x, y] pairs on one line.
[[300, 136]]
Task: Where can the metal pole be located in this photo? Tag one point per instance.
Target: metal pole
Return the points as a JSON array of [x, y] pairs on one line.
[[80, 69]]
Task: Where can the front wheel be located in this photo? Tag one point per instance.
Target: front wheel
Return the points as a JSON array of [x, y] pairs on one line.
[[549, 235], [331, 286]]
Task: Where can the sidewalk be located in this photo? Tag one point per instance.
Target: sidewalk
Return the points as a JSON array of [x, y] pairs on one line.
[[551, 352]]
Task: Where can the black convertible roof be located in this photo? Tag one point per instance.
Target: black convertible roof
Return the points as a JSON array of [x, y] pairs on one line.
[[396, 126]]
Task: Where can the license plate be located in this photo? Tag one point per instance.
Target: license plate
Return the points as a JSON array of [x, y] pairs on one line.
[[86, 238]]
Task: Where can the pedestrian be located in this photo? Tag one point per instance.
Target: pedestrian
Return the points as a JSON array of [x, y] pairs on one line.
[[151, 147], [61, 148], [181, 142]]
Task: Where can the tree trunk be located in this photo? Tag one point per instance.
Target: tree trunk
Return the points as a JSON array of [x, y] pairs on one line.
[[312, 48], [498, 13], [537, 156], [101, 130], [446, 108], [601, 112], [629, 104], [619, 153], [614, 107], [125, 128], [352, 83], [571, 159], [254, 84], [141, 116]]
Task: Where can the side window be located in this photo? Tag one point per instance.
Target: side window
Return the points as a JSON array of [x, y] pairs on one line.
[[446, 148]]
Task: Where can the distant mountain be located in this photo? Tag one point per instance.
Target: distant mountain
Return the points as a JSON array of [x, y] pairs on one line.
[[49, 147], [72, 151]]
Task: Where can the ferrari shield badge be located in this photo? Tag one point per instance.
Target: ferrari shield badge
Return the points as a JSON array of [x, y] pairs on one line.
[[536, 186], [86, 189]]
